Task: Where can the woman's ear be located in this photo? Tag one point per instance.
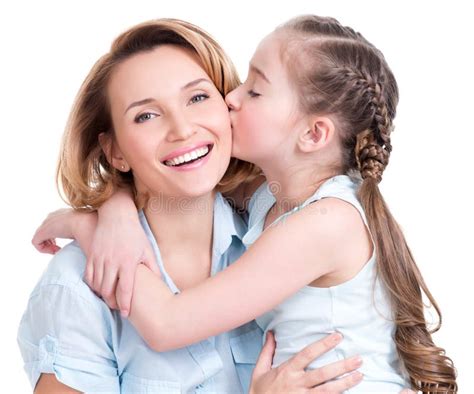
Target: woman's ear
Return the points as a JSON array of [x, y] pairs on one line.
[[112, 152], [320, 132]]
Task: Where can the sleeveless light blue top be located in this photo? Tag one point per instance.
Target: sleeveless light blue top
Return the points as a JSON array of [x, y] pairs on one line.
[[358, 308]]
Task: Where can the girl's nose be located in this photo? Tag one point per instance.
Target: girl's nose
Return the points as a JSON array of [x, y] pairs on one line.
[[232, 101]]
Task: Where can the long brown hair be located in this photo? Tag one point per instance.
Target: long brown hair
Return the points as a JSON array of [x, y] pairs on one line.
[[338, 72], [83, 172]]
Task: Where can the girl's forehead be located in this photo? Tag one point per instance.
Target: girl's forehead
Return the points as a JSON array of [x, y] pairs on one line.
[[268, 58]]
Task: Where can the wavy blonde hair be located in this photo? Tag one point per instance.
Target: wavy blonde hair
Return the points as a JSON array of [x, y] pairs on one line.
[[84, 177]]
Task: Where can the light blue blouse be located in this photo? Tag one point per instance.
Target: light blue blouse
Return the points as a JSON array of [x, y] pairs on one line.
[[67, 330]]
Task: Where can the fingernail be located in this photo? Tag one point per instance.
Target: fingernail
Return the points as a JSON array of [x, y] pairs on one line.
[[337, 337], [124, 313], [357, 376], [357, 361]]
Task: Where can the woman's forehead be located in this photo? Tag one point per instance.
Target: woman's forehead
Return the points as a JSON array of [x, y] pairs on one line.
[[164, 70]]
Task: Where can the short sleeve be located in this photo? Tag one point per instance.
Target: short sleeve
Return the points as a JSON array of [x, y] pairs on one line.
[[67, 331]]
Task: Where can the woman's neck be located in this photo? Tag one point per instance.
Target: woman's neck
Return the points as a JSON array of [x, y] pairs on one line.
[[182, 225]]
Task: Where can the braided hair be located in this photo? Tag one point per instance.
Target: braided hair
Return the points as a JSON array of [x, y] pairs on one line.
[[342, 74]]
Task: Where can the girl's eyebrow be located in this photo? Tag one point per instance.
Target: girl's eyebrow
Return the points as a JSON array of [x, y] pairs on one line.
[[259, 72], [149, 99]]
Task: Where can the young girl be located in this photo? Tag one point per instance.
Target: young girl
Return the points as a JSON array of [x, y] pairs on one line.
[[324, 253]]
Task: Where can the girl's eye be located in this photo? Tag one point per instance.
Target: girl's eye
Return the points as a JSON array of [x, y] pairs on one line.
[[144, 117], [199, 97], [252, 93]]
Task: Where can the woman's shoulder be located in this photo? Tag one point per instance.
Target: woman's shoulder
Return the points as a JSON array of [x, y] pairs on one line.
[[66, 269]]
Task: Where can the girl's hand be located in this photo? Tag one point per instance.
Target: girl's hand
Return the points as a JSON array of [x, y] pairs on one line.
[[119, 244], [292, 377], [63, 223]]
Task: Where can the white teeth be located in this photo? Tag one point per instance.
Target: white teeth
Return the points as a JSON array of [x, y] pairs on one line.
[[188, 156]]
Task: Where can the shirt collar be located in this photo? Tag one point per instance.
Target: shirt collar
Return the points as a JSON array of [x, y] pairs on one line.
[[227, 224]]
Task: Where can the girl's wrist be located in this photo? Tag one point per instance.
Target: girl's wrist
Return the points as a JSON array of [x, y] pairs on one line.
[[83, 228], [121, 204]]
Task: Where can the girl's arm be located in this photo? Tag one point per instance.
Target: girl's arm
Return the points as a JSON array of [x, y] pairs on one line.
[[308, 244], [113, 241]]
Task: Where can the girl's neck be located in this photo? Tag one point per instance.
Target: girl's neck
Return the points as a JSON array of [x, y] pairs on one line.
[[292, 186], [182, 223]]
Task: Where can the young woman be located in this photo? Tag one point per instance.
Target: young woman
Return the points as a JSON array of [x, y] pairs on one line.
[[70, 340]]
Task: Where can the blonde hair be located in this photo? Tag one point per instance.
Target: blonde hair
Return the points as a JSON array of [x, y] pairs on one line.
[[83, 173]]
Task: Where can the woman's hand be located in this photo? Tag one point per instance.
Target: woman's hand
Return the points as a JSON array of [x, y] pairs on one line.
[[292, 377], [119, 244]]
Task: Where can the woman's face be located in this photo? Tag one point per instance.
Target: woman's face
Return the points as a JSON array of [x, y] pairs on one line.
[[171, 123]]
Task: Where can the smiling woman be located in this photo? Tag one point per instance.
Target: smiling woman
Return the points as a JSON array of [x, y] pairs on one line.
[[151, 117]]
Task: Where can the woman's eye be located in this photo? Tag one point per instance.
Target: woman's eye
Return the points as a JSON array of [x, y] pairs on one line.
[[252, 93], [144, 117], [198, 97]]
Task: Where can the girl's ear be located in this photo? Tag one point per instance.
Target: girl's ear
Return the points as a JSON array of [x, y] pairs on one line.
[[320, 132], [112, 152]]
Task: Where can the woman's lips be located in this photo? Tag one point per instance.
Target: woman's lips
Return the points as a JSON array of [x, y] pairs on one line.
[[193, 164]]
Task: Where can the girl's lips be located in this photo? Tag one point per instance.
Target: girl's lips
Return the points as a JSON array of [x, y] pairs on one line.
[[195, 164]]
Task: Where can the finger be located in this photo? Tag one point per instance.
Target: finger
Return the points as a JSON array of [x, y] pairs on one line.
[[340, 385], [150, 261], [89, 272], [265, 359], [51, 246], [328, 372], [98, 275], [40, 242], [309, 353], [37, 239], [124, 295], [108, 287], [47, 247]]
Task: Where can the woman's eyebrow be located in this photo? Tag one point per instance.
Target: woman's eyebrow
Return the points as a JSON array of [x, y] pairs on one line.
[[196, 82], [149, 99], [259, 72]]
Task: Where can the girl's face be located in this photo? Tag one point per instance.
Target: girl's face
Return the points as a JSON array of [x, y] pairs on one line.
[[263, 110], [171, 123]]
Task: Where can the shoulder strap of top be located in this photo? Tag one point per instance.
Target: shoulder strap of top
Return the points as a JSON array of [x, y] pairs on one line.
[[342, 187], [259, 204]]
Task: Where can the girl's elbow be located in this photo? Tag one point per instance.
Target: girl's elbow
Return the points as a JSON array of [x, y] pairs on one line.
[[161, 343]]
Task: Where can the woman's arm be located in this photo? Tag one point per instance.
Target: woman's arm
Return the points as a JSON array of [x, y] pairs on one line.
[[287, 256], [48, 384]]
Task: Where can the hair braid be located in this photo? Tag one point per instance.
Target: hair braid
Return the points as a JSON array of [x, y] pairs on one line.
[[373, 146]]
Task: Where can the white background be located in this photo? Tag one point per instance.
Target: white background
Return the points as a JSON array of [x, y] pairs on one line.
[[47, 49]]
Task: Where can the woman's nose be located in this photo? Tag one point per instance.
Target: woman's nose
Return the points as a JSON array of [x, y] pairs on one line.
[[180, 129]]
